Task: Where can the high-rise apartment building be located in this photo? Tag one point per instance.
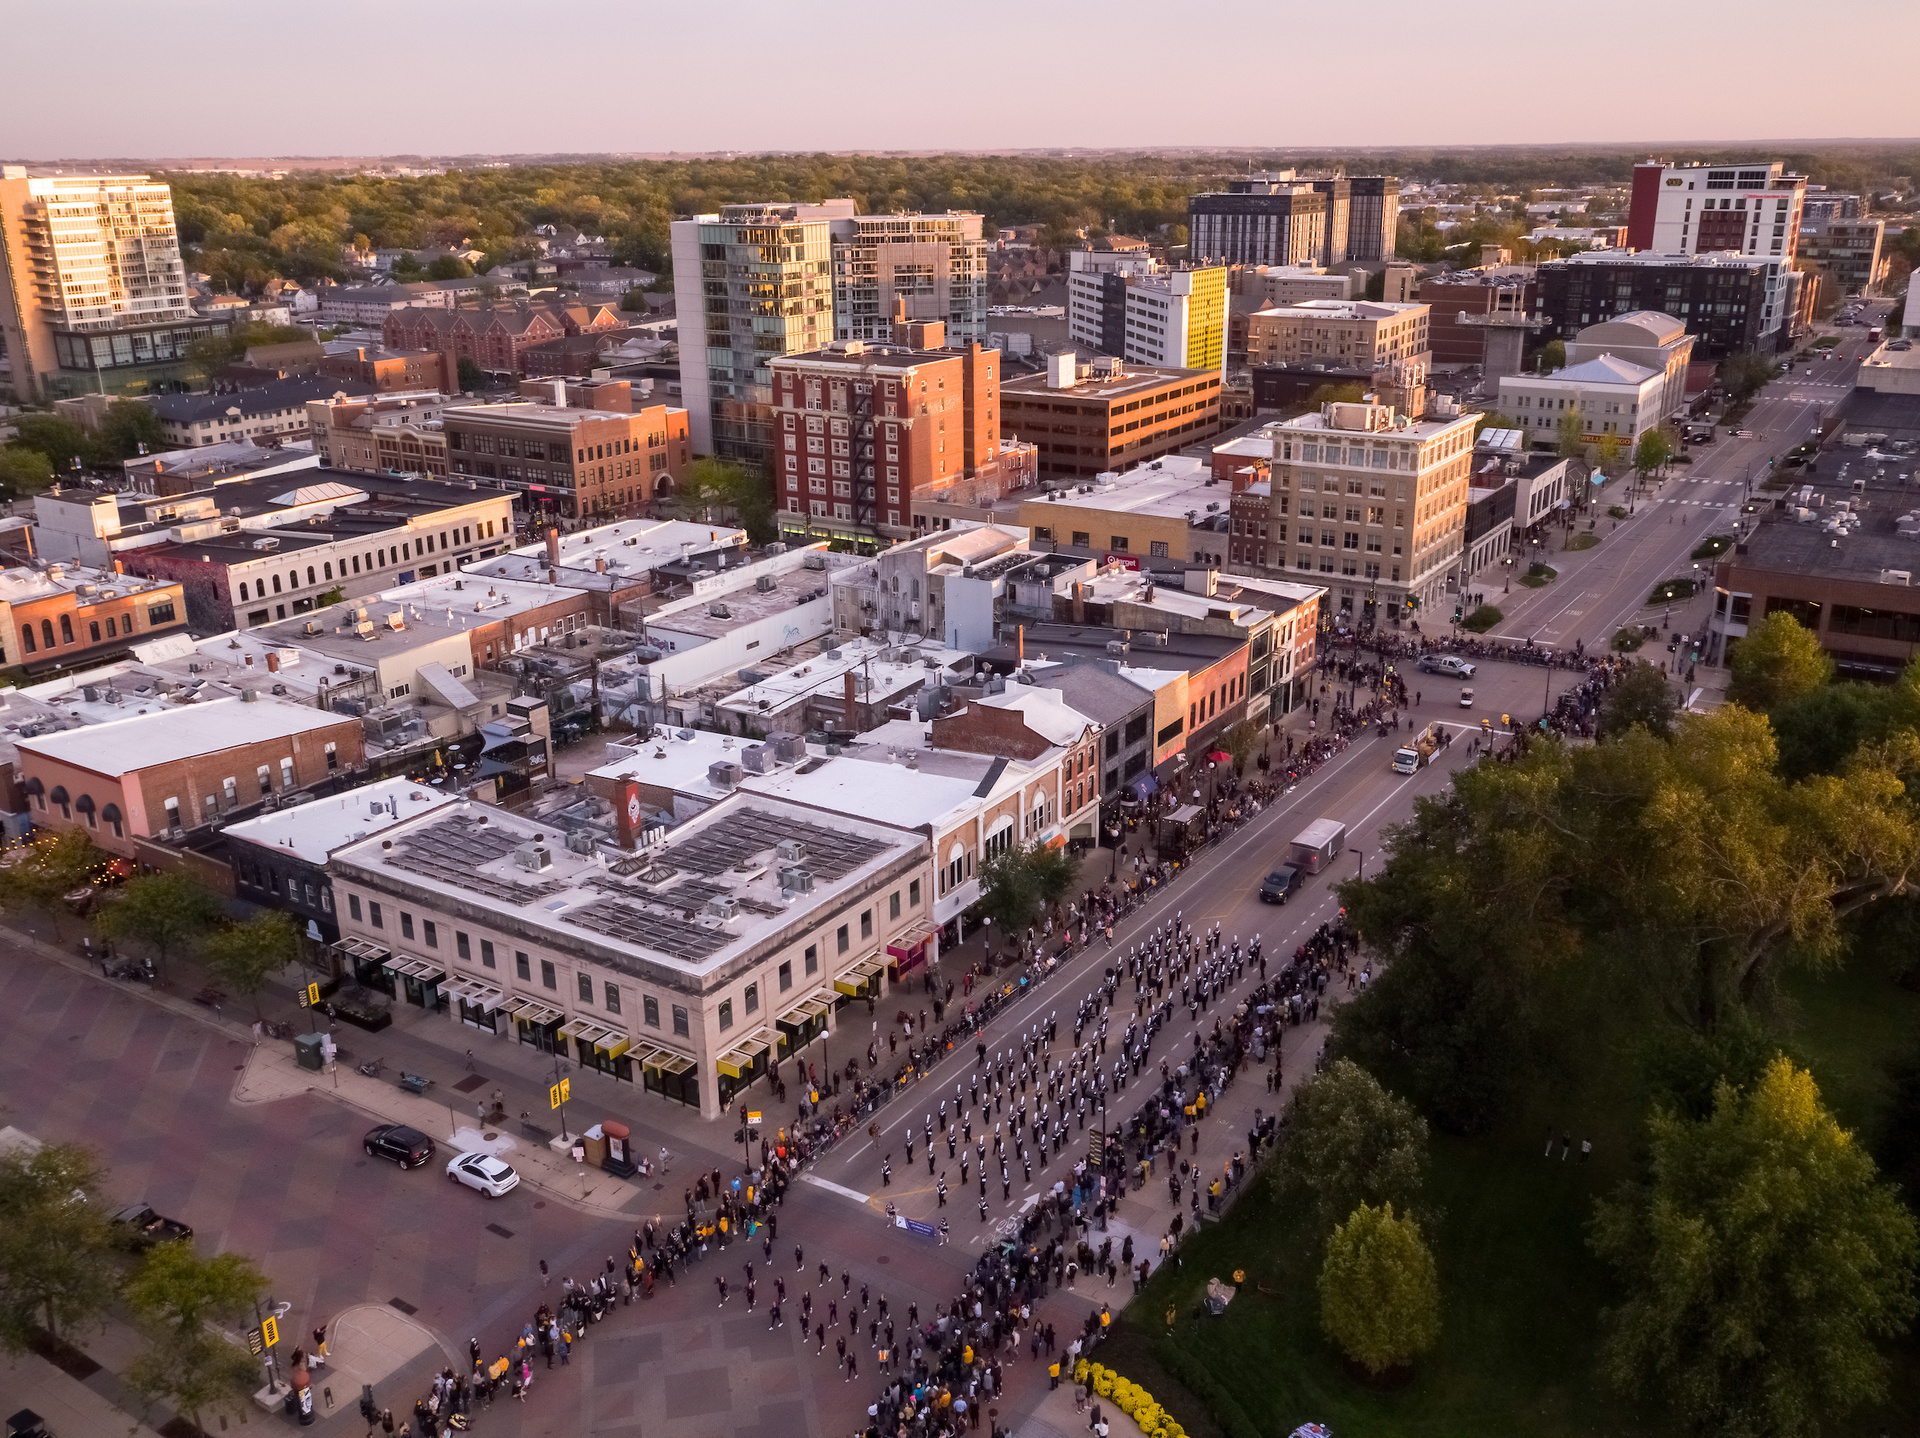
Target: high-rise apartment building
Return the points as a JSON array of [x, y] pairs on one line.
[[93, 281], [936, 264], [1373, 502], [1133, 308], [1338, 334], [1697, 209], [1728, 302], [1276, 218], [750, 283], [1265, 219], [1850, 250]]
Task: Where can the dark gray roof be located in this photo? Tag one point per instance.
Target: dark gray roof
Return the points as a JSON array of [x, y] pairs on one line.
[[1094, 691], [288, 393]]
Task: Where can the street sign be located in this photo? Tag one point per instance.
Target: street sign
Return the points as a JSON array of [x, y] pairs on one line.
[[557, 1094], [255, 1344], [313, 996], [270, 1332], [302, 997], [753, 1116], [1096, 1147]]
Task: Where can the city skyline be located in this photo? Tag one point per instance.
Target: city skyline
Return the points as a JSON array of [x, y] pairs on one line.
[[657, 100]]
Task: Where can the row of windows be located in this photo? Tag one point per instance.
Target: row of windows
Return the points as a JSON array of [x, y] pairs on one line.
[[399, 554], [115, 626]]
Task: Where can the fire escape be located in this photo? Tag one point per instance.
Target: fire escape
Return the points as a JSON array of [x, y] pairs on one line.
[[866, 472]]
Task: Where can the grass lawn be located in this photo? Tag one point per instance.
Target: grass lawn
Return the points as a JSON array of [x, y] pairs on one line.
[[1582, 540], [1539, 576], [1482, 619], [1522, 1294], [1712, 547]]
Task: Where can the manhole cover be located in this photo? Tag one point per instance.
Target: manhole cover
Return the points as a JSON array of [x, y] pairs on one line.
[[489, 1137], [539, 1203], [658, 1186]]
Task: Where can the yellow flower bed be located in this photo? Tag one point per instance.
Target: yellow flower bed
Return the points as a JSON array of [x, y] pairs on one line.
[[1130, 1398]]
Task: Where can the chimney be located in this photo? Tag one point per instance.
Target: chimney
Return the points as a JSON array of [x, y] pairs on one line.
[[899, 309], [1023, 646], [553, 575], [1079, 603], [273, 663], [853, 724], [600, 565], [118, 567], [553, 546], [560, 394], [360, 353]]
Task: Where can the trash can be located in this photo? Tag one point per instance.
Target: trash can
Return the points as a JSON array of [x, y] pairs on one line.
[[307, 1051], [595, 1143]]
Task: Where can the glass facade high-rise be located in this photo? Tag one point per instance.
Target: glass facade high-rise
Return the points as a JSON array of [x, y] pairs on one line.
[[935, 266], [750, 283]]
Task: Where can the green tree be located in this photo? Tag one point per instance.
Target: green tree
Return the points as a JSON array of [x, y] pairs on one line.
[[1761, 1260], [1608, 452], [732, 489], [58, 862], [127, 425], [448, 267], [1380, 1290], [634, 301], [180, 1300], [1349, 1143], [1652, 451], [1640, 696], [472, 378], [407, 269], [1553, 356], [53, 435], [1745, 374], [242, 956], [1570, 436], [1055, 875], [57, 1270], [1779, 660], [163, 910], [1009, 894], [23, 471]]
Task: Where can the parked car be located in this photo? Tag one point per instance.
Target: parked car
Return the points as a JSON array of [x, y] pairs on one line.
[[407, 1147], [144, 1227], [483, 1171], [1451, 664]]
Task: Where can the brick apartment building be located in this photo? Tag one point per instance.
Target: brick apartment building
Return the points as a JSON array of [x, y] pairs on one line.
[[573, 461], [177, 769], [378, 434], [386, 371], [1470, 292], [493, 336], [1110, 417], [866, 435]]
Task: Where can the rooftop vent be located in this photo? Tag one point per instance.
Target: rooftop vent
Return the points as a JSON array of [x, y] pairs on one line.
[[795, 880], [723, 906], [533, 856], [791, 851]]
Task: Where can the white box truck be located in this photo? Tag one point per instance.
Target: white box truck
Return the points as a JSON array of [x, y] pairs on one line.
[[1318, 845]]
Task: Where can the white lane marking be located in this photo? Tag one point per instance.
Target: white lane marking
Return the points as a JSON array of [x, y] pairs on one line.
[[864, 1200]]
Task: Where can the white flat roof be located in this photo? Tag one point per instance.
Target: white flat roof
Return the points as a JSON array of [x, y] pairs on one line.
[[314, 830], [1171, 487], [824, 674], [631, 549], [124, 745]]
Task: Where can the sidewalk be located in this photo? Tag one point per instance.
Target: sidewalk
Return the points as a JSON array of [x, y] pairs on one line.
[[70, 1407]]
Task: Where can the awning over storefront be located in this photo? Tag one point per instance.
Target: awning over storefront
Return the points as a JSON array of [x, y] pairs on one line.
[[737, 1060], [855, 980], [361, 951], [421, 971], [804, 1013], [911, 940], [1144, 787], [477, 992], [1185, 814], [531, 1012], [610, 1041], [665, 1061]]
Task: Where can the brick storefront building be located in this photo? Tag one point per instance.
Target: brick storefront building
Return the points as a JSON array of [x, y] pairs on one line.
[[493, 336], [177, 769]]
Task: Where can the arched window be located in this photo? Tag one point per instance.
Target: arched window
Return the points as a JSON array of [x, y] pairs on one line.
[[310, 574], [327, 570], [66, 629], [243, 589], [26, 637], [46, 632], [276, 584]]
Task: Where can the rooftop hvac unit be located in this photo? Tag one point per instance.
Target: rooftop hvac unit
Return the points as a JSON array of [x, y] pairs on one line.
[[312, 626], [724, 775], [1117, 646], [722, 906], [580, 841], [789, 748], [750, 676], [397, 619], [533, 856], [796, 880], [814, 561], [719, 611], [833, 654], [766, 584], [364, 629], [756, 759], [790, 851]]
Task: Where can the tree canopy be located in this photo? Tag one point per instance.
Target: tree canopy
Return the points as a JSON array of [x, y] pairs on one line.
[[1380, 1289], [1640, 696], [1762, 1260], [1779, 660], [1349, 1143], [56, 1245], [176, 1298]]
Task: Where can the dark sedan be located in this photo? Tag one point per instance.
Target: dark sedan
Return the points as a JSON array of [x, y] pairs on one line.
[[407, 1147]]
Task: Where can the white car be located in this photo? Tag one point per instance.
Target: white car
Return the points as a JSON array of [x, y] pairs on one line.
[[484, 1172]]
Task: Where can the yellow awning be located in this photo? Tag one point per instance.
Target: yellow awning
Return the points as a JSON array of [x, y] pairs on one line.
[[613, 1044], [805, 1012], [855, 980], [576, 1028]]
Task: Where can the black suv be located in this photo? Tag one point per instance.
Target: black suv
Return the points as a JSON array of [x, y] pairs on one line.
[[407, 1147], [144, 1227], [1280, 883]]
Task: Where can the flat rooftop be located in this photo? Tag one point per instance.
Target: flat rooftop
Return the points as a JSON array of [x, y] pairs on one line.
[[629, 551], [1134, 380], [706, 899], [313, 830], [142, 741], [23, 585], [1339, 310], [890, 671], [427, 610], [1176, 486]]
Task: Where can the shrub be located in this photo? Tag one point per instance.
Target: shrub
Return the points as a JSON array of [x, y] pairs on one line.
[[1482, 619]]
